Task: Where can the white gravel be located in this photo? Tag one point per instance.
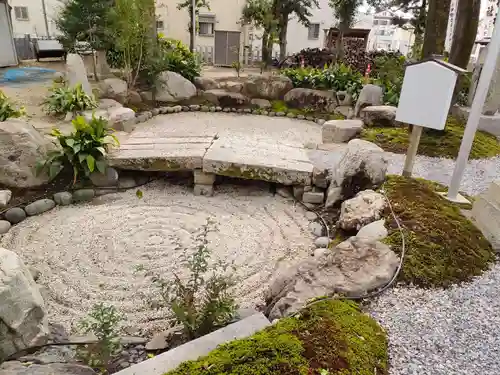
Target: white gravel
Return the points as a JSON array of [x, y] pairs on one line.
[[108, 251]]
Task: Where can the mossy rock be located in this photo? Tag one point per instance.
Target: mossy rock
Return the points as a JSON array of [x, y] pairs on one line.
[[330, 335], [444, 143], [280, 106], [442, 246]]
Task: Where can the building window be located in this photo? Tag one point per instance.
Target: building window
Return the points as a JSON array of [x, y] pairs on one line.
[[21, 13], [375, 22], [206, 25], [160, 25], [314, 31], [384, 22]]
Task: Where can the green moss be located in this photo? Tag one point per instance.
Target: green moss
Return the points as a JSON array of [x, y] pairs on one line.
[[442, 246], [280, 106], [331, 335], [434, 143]]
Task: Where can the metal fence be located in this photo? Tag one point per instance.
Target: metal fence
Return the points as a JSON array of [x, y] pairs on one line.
[[24, 47]]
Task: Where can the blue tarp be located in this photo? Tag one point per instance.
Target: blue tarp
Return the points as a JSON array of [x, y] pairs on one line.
[[17, 75]]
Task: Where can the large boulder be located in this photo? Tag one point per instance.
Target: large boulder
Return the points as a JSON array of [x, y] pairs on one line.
[[114, 88], [363, 166], [365, 208], [172, 87], [19, 368], [225, 98], [379, 116], [205, 83], [318, 100], [369, 95], [21, 146], [352, 268], [77, 74], [272, 88], [23, 318]]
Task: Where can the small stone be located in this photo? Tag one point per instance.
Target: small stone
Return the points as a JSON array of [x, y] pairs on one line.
[[247, 110], [284, 192], [264, 113], [163, 110], [155, 111], [339, 131], [205, 190], [313, 197], [5, 196], [148, 114], [309, 118], [15, 215], [124, 364], [320, 177], [40, 206], [194, 107], [203, 178], [322, 251], [239, 110], [272, 114], [290, 115], [375, 231], [69, 116], [316, 228], [320, 121], [311, 145], [177, 109], [298, 191], [142, 118], [158, 342], [307, 188], [322, 242], [301, 117], [126, 182], [105, 191], [4, 226], [185, 108], [170, 110], [218, 109], [310, 206], [63, 198], [204, 108], [311, 215], [83, 195], [110, 178], [226, 110], [280, 114], [212, 109]]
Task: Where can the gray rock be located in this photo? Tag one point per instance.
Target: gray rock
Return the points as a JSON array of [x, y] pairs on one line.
[[155, 111], [110, 178], [290, 115], [40, 206], [77, 74], [218, 109], [15, 215], [18, 368], [212, 109], [311, 215], [309, 118], [272, 88], [163, 110], [161, 340], [205, 190], [5, 196], [239, 110], [339, 131], [148, 114], [141, 118], [280, 114], [314, 197], [63, 198], [264, 113], [363, 166], [301, 117], [126, 182], [272, 114], [320, 121], [4, 226], [206, 83], [320, 178], [194, 107], [226, 110], [316, 228], [261, 103], [247, 110], [352, 268], [21, 147], [298, 192], [379, 116], [134, 98], [366, 207], [83, 195], [369, 95], [185, 108], [114, 88], [375, 231], [321, 251], [120, 114], [284, 191], [322, 242], [23, 317], [319, 100], [226, 98], [344, 98], [172, 88], [204, 108]]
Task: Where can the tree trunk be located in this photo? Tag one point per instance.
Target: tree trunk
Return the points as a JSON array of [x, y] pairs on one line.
[[265, 50], [464, 36], [435, 27], [339, 55], [282, 37]]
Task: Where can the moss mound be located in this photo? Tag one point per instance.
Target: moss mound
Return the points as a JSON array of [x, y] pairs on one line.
[[280, 106], [330, 335], [442, 246], [434, 143]]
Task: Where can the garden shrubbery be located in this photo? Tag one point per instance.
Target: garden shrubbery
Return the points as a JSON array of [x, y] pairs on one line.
[[7, 109]]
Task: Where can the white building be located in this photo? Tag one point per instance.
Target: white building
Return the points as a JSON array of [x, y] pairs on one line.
[[385, 35], [28, 17]]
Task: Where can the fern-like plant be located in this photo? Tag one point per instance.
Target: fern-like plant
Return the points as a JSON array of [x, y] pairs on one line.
[[84, 150], [63, 99], [7, 109]]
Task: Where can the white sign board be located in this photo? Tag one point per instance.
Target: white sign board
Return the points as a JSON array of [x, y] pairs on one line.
[[426, 94]]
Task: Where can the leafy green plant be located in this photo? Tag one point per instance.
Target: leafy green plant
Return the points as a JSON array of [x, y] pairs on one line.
[[180, 59], [237, 67], [102, 322], [7, 109], [203, 302], [84, 150], [63, 99], [388, 72]]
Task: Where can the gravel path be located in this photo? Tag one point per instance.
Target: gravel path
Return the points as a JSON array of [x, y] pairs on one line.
[[109, 251]]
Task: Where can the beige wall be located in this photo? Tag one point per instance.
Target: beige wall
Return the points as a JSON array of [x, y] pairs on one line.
[[35, 25]]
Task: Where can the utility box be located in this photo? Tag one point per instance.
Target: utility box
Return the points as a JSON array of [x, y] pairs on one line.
[[427, 92]]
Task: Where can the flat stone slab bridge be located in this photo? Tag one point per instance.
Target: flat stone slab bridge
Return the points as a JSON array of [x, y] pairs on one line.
[[233, 155]]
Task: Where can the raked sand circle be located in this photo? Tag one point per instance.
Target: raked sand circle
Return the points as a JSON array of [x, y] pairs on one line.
[[110, 249]]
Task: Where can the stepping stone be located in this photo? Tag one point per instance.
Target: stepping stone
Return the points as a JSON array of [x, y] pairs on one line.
[[259, 159], [192, 350]]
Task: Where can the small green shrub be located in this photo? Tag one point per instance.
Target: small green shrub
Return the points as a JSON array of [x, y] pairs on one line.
[[389, 73], [203, 302], [84, 150], [7, 109], [337, 77], [179, 58], [237, 67], [63, 99], [102, 322]]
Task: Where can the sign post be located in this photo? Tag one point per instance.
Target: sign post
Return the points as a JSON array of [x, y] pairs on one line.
[[412, 150], [476, 111]]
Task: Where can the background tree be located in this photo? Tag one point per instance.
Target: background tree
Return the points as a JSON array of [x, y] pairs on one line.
[[85, 21], [464, 35], [436, 26], [187, 4], [283, 10], [345, 11], [259, 14]]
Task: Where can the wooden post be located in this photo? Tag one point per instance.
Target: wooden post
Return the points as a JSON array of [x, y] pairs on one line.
[[412, 150]]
